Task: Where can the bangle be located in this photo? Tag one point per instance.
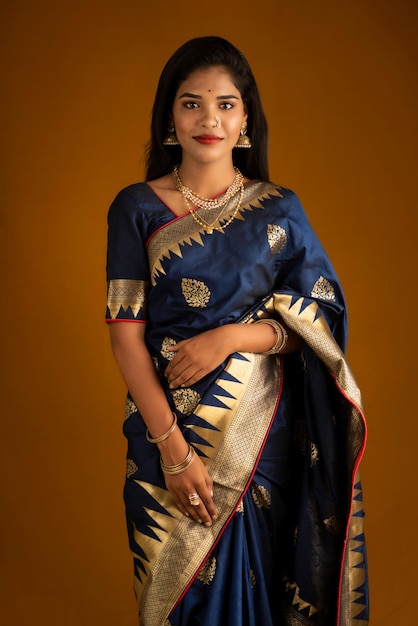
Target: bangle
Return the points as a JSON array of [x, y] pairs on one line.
[[281, 333], [180, 467], [165, 435]]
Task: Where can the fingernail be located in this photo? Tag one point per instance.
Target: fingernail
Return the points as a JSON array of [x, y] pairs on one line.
[[186, 514], [199, 521], [214, 517], [211, 493], [208, 524]]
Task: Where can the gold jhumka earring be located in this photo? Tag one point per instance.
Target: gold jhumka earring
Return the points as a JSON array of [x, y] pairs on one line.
[[171, 137], [243, 140]]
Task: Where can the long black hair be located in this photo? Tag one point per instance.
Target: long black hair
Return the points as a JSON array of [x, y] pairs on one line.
[[195, 54]]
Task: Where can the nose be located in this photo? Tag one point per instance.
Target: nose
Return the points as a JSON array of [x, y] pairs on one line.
[[210, 120]]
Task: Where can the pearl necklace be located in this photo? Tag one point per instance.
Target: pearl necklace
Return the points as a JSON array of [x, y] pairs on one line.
[[206, 203], [209, 228]]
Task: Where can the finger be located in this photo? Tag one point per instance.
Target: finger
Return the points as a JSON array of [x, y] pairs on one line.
[[198, 512], [181, 507], [177, 365], [210, 507], [173, 365], [176, 346], [185, 378], [208, 500], [202, 508]]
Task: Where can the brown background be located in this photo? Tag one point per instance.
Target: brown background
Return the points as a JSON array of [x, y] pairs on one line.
[[339, 83]]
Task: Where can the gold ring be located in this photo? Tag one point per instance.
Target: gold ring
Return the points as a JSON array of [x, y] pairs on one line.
[[194, 499]]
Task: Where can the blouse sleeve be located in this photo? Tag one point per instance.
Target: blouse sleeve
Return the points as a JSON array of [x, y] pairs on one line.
[[128, 275]]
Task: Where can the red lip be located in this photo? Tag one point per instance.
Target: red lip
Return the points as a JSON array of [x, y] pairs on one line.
[[208, 139]]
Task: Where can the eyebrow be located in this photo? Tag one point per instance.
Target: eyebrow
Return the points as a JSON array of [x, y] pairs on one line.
[[197, 97]]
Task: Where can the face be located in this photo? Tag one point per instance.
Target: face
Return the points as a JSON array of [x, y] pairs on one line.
[[208, 113]]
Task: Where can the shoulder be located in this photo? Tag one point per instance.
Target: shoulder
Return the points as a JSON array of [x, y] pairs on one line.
[[132, 196], [136, 201], [278, 198]]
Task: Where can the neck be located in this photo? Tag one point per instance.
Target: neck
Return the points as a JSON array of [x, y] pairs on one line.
[[207, 179]]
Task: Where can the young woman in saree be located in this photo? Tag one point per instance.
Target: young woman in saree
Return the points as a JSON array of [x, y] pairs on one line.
[[243, 420]]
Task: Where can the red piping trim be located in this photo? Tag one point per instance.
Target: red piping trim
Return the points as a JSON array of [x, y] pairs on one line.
[[175, 219], [111, 321], [244, 492]]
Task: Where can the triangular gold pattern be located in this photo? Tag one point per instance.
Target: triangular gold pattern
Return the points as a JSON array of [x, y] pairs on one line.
[[171, 240], [163, 525], [124, 294]]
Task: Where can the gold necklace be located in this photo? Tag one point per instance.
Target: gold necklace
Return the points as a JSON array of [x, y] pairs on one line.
[[209, 228], [208, 203]]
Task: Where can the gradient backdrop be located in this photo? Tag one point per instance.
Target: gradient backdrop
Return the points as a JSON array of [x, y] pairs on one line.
[[339, 83]]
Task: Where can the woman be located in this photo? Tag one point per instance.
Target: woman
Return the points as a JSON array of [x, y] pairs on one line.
[[243, 419]]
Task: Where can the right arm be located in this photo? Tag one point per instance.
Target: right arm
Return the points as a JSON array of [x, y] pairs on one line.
[[140, 376]]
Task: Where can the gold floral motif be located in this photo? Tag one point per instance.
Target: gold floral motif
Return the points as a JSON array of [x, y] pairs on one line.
[[195, 292], [168, 342], [208, 571], [130, 407], [313, 453], [126, 294], [186, 400], [323, 290], [240, 507], [333, 525], [261, 496], [277, 238], [252, 579], [131, 467], [303, 444]]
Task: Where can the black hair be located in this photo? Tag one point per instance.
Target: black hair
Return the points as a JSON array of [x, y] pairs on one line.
[[203, 52]]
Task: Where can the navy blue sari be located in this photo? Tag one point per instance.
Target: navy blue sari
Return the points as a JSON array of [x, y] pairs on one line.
[[282, 437]]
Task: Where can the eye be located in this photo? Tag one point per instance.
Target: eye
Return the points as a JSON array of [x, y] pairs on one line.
[[190, 105], [226, 106]]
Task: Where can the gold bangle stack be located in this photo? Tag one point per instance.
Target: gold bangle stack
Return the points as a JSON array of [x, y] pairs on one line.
[[180, 467], [165, 435], [281, 333]]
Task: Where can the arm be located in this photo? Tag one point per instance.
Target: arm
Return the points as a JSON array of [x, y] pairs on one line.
[[201, 354], [138, 372]]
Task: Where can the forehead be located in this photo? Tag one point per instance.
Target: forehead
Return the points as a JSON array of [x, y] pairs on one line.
[[216, 78]]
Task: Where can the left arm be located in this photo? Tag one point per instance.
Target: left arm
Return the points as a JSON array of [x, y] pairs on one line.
[[201, 354]]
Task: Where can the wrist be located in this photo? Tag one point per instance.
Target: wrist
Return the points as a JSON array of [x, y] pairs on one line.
[[165, 435], [231, 337], [173, 449]]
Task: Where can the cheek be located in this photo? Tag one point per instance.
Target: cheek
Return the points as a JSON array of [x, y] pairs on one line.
[[235, 127], [181, 123]]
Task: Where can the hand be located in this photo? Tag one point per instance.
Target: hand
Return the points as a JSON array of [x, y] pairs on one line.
[[197, 356], [194, 480]]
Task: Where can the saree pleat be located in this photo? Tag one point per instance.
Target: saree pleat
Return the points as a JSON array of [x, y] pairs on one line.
[[282, 437]]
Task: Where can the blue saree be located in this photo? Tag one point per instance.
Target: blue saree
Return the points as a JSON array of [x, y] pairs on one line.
[[282, 436]]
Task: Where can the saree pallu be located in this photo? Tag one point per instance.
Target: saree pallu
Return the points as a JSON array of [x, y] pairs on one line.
[[282, 437]]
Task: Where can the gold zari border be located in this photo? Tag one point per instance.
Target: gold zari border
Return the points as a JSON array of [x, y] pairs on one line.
[[188, 544], [313, 328], [125, 294], [171, 239]]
